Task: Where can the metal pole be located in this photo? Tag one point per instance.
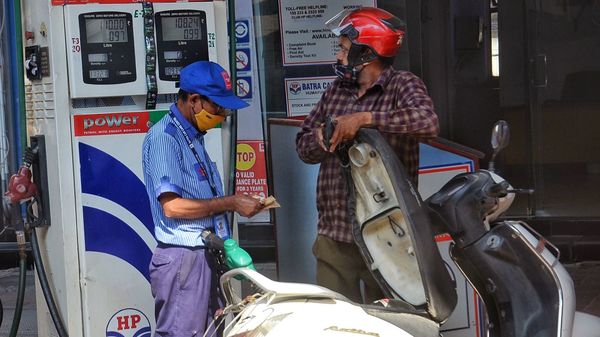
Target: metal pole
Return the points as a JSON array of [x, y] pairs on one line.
[[233, 135]]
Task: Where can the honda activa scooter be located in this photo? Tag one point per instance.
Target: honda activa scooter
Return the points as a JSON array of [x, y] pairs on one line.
[[515, 271]]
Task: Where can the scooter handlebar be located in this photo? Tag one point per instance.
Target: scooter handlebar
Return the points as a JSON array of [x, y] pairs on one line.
[[521, 190]]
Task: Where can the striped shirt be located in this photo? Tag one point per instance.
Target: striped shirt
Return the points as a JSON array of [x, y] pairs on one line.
[[402, 111], [170, 166]]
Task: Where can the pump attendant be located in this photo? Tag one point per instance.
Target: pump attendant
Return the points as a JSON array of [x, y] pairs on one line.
[[368, 93], [186, 197]]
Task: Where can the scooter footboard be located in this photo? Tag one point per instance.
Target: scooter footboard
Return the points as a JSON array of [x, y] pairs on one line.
[[515, 282]]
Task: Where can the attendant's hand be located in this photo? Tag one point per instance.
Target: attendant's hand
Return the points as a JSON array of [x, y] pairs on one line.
[[246, 205], [347, 126]]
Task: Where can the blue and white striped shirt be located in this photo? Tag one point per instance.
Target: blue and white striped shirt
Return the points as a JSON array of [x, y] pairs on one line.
[[170, 166]]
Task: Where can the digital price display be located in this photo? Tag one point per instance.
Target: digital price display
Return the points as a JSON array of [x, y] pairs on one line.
[[181, 28], [106, 30], [181, 39], [99, 73], [107, 47], [103, 57]]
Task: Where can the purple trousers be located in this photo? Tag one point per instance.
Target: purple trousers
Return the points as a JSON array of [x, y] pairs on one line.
[[185, 292]]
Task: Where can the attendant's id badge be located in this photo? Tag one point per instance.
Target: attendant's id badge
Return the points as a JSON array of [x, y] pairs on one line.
[[221, 226]]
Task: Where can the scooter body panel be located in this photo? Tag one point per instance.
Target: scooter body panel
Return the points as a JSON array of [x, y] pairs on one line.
[[522, 294], [562, 279], [319, 318], [586, 325], [296, 309]]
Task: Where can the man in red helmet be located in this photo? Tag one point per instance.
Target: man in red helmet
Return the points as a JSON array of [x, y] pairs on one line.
[[368, 93]]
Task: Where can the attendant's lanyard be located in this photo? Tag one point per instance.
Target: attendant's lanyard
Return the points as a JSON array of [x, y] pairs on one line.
[[205, 172]]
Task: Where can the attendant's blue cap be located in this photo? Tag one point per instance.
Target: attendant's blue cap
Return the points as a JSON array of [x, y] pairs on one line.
[[211, 80]]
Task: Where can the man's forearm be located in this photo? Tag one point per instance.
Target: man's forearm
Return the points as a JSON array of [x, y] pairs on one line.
[[181, 208]]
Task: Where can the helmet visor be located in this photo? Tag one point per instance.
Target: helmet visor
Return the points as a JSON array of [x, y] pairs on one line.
[[335, 23]]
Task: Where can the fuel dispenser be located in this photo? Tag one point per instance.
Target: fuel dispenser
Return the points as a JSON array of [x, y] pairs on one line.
[[108, 69]]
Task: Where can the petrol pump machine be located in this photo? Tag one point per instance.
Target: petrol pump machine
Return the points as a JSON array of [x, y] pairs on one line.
[[110, 70]]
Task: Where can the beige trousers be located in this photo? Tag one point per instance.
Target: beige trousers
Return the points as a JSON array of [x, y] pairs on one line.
[[341, 268]]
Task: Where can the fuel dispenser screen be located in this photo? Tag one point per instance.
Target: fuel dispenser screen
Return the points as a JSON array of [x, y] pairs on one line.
[[181, 40], [182, 28], [107, 49], [106, 30]]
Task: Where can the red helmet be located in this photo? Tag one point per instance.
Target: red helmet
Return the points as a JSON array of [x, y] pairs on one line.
[[373, 27]]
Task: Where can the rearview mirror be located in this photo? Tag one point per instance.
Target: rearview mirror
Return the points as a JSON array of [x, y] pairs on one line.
[[500, 135], [500, 140]]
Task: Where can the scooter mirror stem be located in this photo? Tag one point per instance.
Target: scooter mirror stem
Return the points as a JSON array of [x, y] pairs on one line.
[[491, 166]]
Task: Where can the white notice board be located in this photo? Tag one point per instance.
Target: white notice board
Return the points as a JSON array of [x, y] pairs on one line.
[[304, 38]]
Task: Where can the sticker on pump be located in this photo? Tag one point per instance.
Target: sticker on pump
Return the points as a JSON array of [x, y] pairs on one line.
[[114, 123], [128, 322], [242, 59], [244, 87], [241, 31]]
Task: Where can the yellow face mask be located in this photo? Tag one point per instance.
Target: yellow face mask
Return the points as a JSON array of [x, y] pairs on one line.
[[206, 121]]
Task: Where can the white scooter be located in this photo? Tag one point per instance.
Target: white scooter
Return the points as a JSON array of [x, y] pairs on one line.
[[516, 272]]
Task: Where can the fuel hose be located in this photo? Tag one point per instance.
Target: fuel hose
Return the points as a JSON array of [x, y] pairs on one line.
[[21, 290], [15, 214], [37, 258]]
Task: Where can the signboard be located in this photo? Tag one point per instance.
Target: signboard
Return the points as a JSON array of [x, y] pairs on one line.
[[242, 59], [303, 94], [304, 38], [432, 178], [244, 87], [115, 123], [251, 172], [242, 31]]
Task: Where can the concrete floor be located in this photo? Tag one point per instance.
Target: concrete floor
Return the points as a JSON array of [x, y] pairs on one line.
[[9, 283], [586, 277]]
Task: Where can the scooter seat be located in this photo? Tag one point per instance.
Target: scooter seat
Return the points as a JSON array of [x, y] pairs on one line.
[[280, 290], [393, 231]]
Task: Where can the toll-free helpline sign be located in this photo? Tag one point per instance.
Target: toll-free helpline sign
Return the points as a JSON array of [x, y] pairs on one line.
[[304, 37]]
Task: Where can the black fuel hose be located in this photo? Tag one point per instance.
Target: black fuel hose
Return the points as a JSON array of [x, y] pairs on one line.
[[15, 214], [20, 296], [37, 258]]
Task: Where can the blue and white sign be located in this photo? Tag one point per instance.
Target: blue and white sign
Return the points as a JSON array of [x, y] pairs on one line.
[[242, 31], [244, 87], [303, 94], [242, 59]]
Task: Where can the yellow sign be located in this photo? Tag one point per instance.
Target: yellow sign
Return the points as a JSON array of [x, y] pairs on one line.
[[246, 157]]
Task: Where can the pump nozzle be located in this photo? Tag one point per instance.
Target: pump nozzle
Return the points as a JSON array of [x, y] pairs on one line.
[[20, 184]]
